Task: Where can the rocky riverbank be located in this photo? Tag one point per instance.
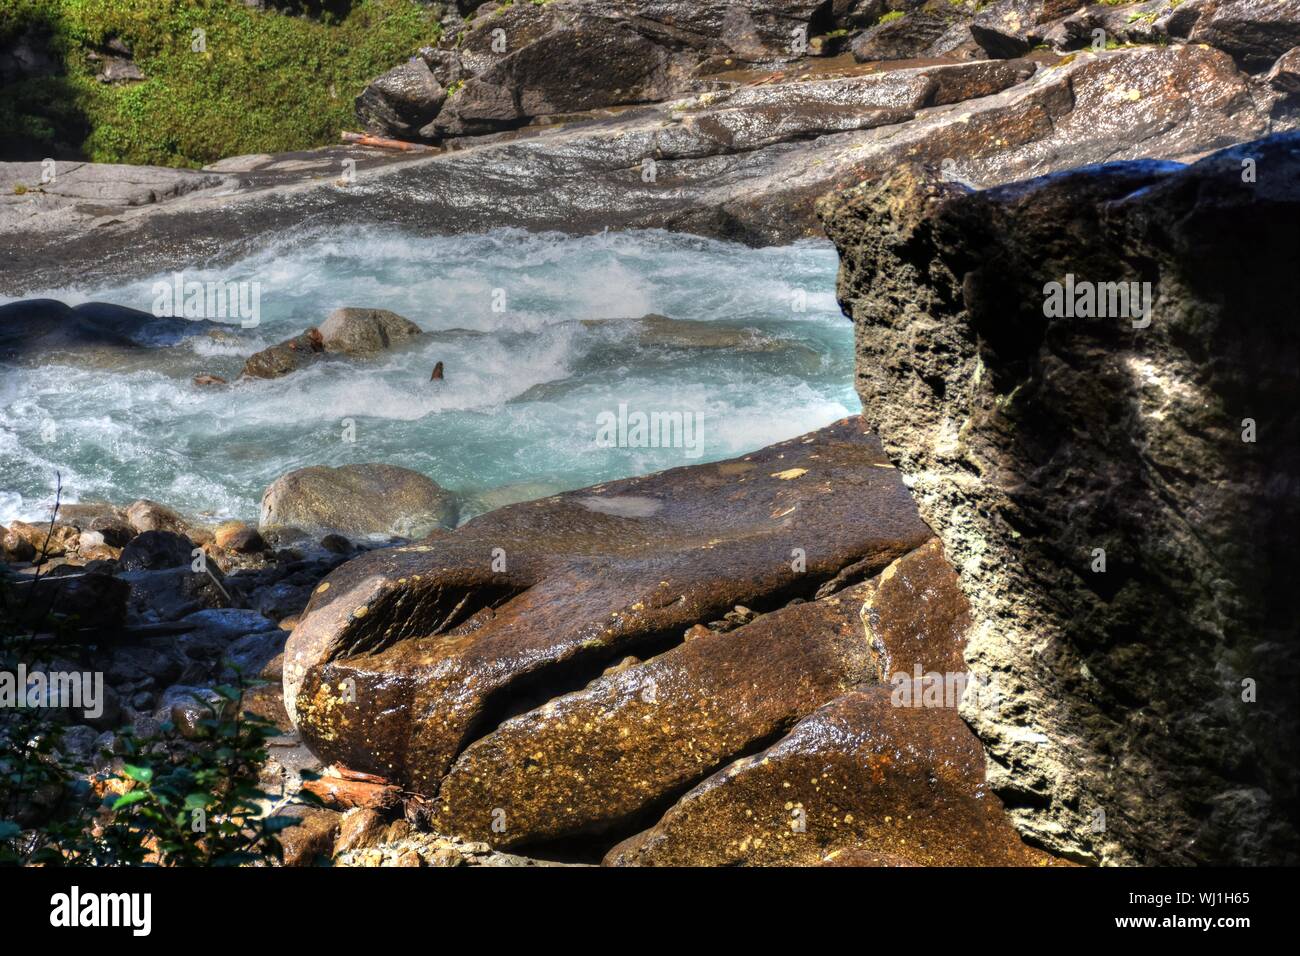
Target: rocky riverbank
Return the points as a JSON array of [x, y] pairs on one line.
[[1028, 609], [737, 146]]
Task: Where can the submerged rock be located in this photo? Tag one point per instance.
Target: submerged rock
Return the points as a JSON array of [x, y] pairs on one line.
[[1117, 492], [358, 501], [346, 331]]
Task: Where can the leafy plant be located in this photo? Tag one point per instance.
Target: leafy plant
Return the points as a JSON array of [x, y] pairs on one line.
[[259, 80]]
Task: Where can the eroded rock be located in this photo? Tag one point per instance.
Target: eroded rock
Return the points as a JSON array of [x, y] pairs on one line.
[[405, 656], [1039, 447]]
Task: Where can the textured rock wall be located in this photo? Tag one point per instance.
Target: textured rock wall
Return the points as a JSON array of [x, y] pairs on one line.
[[1148, 711]]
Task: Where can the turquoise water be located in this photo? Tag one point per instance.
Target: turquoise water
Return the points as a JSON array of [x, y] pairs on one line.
[[518, 413]]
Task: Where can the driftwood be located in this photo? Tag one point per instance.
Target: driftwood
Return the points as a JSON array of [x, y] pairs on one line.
[[365, 139]]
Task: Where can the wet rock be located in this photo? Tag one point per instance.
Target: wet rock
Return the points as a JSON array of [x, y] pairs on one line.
[[284, 357], [188, 709], [310, 841], [1122, 515], [594, 759], [358, 501], [915, 616], [360, 828], [67, 600], [238, 537], [525, 602], [1285, 73], [15, 545], [136, 665], [156, 550], [267, 702], [907, 36], [249, 655], [173, 593], [351, 331], [31, 330], [145, 515], [861, 775], [27, 541]]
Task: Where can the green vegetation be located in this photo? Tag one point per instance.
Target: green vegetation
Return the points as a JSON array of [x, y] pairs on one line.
[[251, 81], [890, 17]]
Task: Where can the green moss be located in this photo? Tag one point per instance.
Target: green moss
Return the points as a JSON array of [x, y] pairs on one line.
[[263, 81], [890, 17]]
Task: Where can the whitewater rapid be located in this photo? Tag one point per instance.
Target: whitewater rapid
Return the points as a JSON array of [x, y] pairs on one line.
[[525, 384]]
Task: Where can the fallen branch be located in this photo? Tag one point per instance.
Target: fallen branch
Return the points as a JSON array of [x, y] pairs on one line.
[[365, 139]]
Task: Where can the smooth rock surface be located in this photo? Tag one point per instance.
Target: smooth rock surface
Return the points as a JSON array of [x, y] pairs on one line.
[[358, 501]]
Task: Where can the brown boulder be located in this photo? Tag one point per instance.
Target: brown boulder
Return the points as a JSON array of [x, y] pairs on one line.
[[145, 515], [593, 759], [310, 841], [358, 501], [904, 784], [406, 655]]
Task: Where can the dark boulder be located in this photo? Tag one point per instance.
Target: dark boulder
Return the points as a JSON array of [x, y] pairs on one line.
[[156, 550], [1121, 488], [401, 101], [1254, 32]]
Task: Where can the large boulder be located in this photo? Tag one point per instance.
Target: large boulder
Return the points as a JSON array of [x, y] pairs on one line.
[[406, 656], [350, 331], [1117, 494], [518, 62], [401, 101], [33, 329], [358, 501], [1254, 32]]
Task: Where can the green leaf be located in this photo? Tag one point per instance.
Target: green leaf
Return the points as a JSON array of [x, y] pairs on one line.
[[197, 801], [126, 799], [138, 774], [9, 830]]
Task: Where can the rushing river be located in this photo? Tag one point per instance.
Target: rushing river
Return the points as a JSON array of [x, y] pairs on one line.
[[519, 412]]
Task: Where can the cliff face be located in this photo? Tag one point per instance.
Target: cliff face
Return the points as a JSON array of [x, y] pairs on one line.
[[1118, 493]]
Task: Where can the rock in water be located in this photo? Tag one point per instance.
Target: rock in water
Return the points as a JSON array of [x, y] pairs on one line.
[[358, 501], [1118, 493], [351, 331]]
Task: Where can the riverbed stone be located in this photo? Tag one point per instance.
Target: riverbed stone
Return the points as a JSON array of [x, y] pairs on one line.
[[358, 501], [353, 331], [862, 775], [599, 757]]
